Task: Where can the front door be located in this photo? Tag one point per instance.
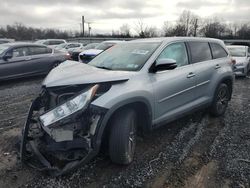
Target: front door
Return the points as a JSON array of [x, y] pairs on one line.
[[174, 89]]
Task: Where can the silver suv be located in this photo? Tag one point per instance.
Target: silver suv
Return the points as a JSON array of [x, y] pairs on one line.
[[136, 85]]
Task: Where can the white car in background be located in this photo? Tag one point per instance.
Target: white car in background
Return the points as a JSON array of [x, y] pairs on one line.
[[69, 46], [5, 40], [87, 55], [52, 43], [241, 55]]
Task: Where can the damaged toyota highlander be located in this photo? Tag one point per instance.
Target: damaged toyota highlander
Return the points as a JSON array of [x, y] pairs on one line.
[[135, 86]]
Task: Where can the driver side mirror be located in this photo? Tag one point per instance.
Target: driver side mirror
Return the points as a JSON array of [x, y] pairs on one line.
[[164, 64], [7, 56]]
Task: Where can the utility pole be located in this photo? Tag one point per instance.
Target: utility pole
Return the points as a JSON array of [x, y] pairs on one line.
[[89, 28], [195, 27], [83, 26]]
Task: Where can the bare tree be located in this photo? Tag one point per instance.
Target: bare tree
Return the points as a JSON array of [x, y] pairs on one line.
[[244, 31], [151, 32], [213, 28], [167, 29], [140, 28], [125, 30]]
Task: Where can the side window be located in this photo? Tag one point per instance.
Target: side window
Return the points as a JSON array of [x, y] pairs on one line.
[[36, 50], [46, 43], [218, 51], [200, 51], [177, 52], [55, 42], [19, 52], [73, 45]]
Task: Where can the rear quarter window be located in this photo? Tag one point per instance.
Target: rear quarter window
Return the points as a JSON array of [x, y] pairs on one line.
[[200, 51], [218, 51]]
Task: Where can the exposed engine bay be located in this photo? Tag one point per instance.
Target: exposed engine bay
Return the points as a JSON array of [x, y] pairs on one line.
[[61, 127]]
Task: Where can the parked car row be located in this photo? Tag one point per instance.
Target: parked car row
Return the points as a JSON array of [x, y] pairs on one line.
[[87, 55], [13, 56]]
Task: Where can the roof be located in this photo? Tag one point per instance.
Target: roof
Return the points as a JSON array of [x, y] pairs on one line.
[[16, 44], [236, 46], [172, 39]]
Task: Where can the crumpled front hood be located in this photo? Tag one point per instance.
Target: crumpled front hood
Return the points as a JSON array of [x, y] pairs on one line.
[[73, 73], [91, 52]]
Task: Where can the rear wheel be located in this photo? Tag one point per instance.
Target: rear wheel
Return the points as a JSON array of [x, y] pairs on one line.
[[122, 138], [220, 101], [56, 64]]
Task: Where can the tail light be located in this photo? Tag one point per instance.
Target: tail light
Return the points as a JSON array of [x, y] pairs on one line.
[[233, 61], [68, 56]]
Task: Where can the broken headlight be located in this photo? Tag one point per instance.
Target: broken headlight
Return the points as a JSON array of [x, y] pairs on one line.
[[66, 109]]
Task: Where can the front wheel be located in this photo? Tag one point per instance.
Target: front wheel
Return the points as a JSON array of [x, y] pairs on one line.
[[220, 101], [122, 138]]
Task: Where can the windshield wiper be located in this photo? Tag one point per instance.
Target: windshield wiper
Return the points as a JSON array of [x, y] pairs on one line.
[[102, 67]]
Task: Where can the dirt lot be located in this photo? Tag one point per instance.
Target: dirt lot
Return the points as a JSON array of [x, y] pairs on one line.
[[196, 151]]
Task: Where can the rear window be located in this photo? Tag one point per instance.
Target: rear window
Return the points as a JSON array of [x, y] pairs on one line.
[[236, 51], [55, 42], [218, 51], [200, 51]]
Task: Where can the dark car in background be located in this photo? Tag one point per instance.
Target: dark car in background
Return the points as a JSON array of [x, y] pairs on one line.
[[75, 52], [27, 59], [52, 43], [241, 55], [5, 40], [87, 55]]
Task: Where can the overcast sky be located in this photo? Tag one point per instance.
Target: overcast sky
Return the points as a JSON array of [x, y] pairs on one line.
[[108, 15]]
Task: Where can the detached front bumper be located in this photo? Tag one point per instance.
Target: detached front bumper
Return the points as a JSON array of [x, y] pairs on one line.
[[33, 142]]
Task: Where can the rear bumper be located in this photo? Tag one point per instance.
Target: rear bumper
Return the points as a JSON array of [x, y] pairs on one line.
[[240, 70], [31, 155]]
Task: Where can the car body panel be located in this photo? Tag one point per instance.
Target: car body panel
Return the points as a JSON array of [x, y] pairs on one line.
[[75, 73], [28, 65], [165, 94]]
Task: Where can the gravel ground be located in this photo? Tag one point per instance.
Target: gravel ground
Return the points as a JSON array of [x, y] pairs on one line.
[[195, 151]]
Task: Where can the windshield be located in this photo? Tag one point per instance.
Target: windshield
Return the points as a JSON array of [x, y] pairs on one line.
[[61, 46], [89, 46], [125, 56], [237, 51], [104, 46], [3, 48]]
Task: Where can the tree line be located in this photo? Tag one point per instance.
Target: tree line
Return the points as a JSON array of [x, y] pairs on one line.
[[188, 24]]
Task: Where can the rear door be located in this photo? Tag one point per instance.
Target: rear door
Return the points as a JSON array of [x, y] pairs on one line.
[[174, 89], [42, 60], [206, 68]]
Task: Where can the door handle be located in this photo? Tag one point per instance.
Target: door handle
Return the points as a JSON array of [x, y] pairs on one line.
[[217, 66], [190, 75]]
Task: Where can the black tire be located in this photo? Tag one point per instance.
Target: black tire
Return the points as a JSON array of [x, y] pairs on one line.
[[55, 64], [220, 101], [122, 138]]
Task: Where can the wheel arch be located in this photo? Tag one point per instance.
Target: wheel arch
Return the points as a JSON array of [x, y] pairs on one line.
[[229, 82], [142, 108]]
